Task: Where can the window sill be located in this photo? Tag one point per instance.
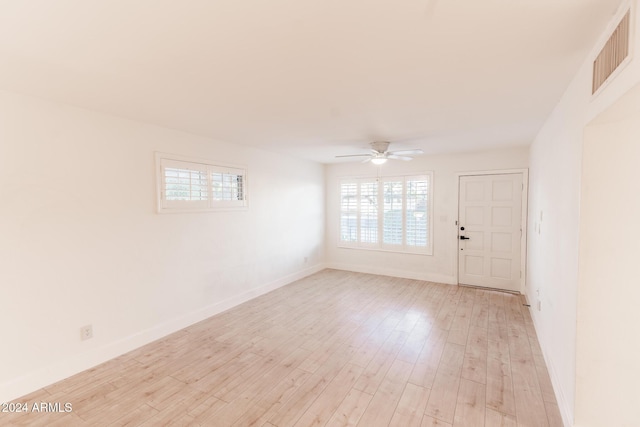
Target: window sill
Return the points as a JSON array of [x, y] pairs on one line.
[[425, 252]]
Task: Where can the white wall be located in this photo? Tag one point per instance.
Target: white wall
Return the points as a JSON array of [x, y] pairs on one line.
[[608, 344], [554, 194], [552, 255], [442, 265], [81, 242]]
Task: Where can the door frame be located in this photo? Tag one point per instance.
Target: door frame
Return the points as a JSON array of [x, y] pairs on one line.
[[523, 224]]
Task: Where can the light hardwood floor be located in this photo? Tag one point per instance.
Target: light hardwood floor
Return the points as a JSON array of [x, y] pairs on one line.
[[334, 349]]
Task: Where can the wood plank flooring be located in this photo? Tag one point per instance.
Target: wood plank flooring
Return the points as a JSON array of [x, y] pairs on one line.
[[334, 349]]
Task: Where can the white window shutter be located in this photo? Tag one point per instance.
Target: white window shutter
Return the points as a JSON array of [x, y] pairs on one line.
[[393, 213], [184, 185], [349, 212], [388, 213], [417, 200], [369, 212], [228, 186]]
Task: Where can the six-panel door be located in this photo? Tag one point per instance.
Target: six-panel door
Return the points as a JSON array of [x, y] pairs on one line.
[[489, 222]]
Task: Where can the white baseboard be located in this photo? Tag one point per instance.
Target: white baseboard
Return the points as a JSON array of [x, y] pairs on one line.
[[385, 271], [57, 371], [566, 410]]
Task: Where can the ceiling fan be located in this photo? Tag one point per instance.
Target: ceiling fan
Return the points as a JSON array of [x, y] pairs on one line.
[[380, 153]]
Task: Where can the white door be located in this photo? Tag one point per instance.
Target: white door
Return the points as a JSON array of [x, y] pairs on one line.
[[489, 231]]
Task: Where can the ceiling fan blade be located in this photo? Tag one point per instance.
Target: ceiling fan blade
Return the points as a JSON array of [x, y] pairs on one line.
[[403, 152], [367, 160], [396, 157], [356, 155]]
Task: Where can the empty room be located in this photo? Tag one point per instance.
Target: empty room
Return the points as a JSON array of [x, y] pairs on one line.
[[319, 213]]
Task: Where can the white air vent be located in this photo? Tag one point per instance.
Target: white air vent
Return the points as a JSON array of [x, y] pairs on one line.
[[612, 54]]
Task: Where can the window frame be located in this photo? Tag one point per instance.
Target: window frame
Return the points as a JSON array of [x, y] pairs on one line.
[[380, 245], [165, 160]]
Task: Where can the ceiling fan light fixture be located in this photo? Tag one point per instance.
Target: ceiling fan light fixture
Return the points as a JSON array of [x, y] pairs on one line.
[[379, 153]]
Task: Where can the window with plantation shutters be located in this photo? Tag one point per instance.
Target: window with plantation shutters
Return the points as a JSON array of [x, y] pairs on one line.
[[387, 213], [189, 186]]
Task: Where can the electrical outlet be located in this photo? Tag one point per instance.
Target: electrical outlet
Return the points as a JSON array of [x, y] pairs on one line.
[[306, 259], [86, 332], [539, 305]]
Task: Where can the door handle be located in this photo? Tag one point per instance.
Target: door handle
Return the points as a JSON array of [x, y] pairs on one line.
[[464, 238]]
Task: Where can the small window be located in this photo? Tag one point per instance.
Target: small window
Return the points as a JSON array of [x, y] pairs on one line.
[[387, 213], [189, 186]]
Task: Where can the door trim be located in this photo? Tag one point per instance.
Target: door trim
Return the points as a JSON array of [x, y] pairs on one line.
[[523, 224]]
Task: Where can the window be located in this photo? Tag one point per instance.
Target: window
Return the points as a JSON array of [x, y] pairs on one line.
[[186, 185], [388, 213]]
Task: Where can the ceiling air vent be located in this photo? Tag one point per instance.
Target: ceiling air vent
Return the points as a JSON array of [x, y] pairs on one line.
[[612, 54]]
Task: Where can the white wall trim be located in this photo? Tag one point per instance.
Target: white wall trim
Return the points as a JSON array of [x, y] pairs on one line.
[[393, 272], [523, 223], [58, 371], [564, 406]]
